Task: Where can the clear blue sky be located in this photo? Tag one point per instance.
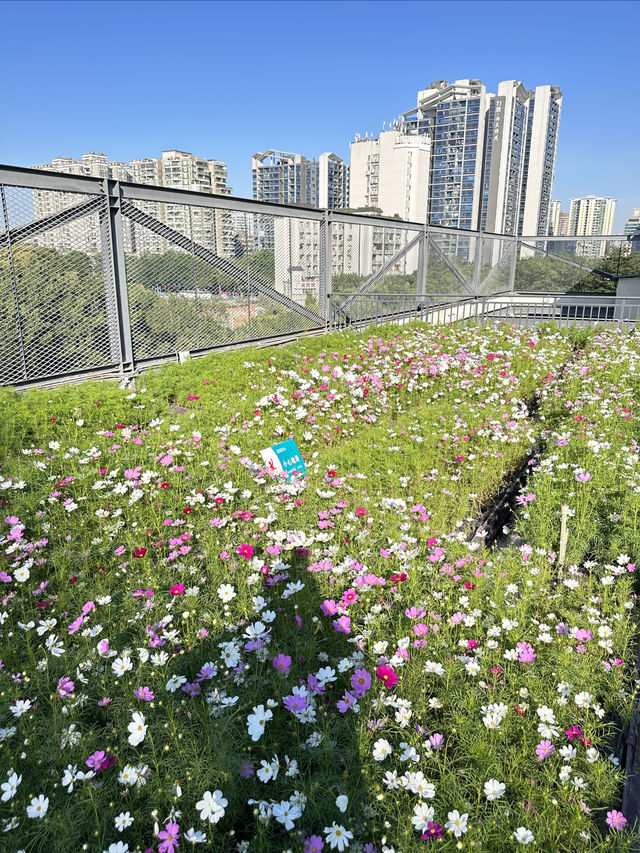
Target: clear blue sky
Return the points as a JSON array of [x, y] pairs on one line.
[[227, 79]]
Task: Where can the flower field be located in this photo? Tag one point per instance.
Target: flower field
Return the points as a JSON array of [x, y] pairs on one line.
[[198, 653]]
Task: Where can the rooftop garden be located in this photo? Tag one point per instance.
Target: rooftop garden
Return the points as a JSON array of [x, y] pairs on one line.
[[198, 652]]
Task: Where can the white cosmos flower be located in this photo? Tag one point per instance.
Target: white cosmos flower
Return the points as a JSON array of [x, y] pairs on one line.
[[38, 806], [457, 822], [137, 728], [523, 835], [286, 812], [583, 700], [337, 836], [226, 592], [212, 806], [123, 821], [342, 802], [493, 789], [381, 749], [256, 721], [422, 814], [20, 707], [122, 665], [10, 787]]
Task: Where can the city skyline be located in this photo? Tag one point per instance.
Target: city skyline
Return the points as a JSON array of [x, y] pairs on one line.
[[289, 100]]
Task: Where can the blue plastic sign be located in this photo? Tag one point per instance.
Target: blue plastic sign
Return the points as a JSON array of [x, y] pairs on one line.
[[284, 457]]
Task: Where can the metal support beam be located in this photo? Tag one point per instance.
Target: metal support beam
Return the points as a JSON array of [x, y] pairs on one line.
[[326, 254], [421, 275], [113, 247], [513, 264], [477, 262]]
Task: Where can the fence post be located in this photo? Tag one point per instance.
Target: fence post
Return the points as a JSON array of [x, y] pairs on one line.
[[512, 265], [113, 246], [477, 263], [14, 286], [421, 277], [326, 255]]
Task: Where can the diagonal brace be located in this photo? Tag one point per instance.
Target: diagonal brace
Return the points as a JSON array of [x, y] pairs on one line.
[[254, 283], [38, 226]]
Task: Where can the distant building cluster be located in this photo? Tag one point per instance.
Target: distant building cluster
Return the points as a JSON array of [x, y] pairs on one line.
[[587, 217], [179, 169]]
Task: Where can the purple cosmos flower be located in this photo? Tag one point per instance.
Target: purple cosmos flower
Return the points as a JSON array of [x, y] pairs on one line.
[[347, 701], [295, 702], [282, 663], [361, 681], [65, 686], [169, 837]]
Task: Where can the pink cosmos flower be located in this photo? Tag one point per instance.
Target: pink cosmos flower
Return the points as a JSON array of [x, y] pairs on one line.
[[584, 477], [313, 844], [361, 681], [544, 749], [342, 625], [177, 589], [616, 820], [169, 837], [526, 653], [437, 741], [144, 693]]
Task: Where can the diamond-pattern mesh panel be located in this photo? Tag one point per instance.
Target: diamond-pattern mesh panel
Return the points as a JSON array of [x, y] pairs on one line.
[[57, 302], [565, 266], [200, 278], [450, 259], [495, 265]]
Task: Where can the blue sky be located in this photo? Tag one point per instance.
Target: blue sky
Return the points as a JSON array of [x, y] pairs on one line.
[[227, 79]]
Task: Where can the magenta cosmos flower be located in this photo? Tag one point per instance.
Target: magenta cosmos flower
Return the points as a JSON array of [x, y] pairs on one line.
[[387, 676], [245, 551]]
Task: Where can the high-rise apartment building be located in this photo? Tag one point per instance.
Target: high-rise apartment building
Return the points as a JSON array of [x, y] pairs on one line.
[[282, 178], [491, 158], [68, 236], [591, 215], [558, 220], [633, 222], [391, 173]]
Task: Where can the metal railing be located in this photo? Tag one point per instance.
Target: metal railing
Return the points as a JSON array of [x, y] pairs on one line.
[[100, 277], [523, 309]]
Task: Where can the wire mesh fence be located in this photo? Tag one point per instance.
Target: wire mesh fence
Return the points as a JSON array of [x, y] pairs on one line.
[[102, 277]]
